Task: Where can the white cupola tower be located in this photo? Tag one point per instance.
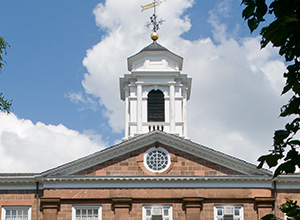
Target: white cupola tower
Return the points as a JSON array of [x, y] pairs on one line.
[[155, 92]]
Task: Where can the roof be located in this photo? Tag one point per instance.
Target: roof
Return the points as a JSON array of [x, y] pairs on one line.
[[154, 48], [64, 176], [163, 138]]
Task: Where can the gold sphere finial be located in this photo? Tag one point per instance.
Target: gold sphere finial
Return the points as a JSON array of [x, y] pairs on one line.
[[154, 36]]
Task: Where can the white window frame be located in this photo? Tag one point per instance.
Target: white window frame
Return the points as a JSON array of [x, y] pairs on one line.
[[74, 208], [157, 149], [162, 207], [228, 208], [5, 208]]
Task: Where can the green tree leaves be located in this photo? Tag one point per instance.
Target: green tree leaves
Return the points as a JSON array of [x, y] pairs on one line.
[[5, 105], [282, 32], [254, 12], [3, 46]]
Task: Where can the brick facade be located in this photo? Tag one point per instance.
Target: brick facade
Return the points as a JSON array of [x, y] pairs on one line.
[[207, 199], [183, 164], [58, 191]]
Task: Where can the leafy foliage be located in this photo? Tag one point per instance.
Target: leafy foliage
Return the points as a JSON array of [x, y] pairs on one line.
[[291, 209], [5, 105], [282, 32], [3, 46]]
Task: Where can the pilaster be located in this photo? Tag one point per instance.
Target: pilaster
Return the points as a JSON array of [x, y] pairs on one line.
[[172, 107], [264, 206], [121, 208], [127, 110], [139, 107], [50, 208], [192, 207]]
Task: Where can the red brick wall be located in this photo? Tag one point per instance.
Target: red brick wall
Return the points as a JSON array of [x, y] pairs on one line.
[[283, 195], [140, 197], [20, 198], [207, 213]]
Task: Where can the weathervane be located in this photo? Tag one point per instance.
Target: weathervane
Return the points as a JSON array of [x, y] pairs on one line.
[[153, 19]]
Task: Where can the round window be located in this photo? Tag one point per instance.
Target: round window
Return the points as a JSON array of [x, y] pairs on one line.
[[157, 159]]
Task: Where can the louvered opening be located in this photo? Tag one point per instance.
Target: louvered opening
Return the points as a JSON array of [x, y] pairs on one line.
[[156, 106]]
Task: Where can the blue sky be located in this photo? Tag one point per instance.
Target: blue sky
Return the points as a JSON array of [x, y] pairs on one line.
[[65, 58]]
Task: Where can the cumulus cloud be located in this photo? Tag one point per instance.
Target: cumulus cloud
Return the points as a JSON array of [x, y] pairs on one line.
[[84, 99], [29, 147], [235, 99]]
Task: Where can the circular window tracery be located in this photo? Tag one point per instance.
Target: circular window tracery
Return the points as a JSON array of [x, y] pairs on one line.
[[157, 159]]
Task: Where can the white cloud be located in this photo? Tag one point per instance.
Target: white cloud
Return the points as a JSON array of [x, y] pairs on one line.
[[235, 100], [88, 102], [234, 104], [28, 147]]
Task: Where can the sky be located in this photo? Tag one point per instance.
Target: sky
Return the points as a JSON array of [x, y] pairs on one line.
[[65, 59]]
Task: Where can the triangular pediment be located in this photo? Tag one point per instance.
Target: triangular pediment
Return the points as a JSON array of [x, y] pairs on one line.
[[126, 158]]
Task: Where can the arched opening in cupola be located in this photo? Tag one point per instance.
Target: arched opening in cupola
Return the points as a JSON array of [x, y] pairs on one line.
[[156, 106]]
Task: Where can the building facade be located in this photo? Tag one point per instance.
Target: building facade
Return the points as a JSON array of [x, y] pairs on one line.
[[156, 172]]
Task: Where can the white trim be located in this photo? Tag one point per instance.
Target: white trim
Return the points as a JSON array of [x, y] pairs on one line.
[[86, 207], [158, 207], [158, 182], [228, 210], [146, 154], [5, 208], [288, 181]]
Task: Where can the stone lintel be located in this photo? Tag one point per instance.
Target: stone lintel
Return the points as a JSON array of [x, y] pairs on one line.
[[121, 203], [264, 202], [192, 202]]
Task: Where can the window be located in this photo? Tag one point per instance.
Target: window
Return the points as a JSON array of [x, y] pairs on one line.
[[157, 212], [228, 213], [156, 106], [16, 213], [157, 159], [86, 213]]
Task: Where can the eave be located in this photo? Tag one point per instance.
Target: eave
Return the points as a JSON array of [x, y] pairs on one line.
[[127, 182]]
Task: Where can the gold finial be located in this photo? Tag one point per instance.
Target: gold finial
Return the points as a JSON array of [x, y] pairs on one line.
[[154, 36]]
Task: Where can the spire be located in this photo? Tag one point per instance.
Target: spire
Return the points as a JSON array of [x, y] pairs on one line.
[[153, 19]]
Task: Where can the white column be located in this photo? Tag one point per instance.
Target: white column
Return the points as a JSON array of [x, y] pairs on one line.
[[184, 111], [172, 107], [139, 107], [126, 112]]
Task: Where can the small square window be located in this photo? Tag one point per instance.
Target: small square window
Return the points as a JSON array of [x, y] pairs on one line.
[[157, 212], [86, 213], [228, 212]]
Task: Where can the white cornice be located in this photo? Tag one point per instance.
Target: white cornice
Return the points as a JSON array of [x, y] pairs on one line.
[[288, 181], [158, 182], [12, 182], [68, 182]]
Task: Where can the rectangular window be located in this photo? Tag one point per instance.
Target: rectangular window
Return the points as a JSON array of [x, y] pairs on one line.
[[228, 212], [16, 213], [157, 212], [86, 213]]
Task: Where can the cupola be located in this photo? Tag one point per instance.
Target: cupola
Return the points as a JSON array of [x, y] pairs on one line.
[[155, 92]]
